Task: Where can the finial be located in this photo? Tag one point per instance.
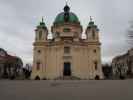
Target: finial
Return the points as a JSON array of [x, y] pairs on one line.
[[66, 2], [42, 22], [42, 18], [91, 23], [66, 8], [91, 18]]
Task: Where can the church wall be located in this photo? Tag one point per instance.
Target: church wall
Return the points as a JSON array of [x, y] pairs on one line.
[[95, 57], [80, 62], [54, 62], [38, 57]]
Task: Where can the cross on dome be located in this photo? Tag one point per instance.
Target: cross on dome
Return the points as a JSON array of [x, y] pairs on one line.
[[91, 18], [66, 2]]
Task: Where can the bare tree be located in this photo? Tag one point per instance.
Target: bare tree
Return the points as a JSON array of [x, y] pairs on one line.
[[27, 71], [130, 35]]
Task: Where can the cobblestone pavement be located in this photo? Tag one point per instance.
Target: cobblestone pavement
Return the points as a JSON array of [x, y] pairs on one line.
[[66, 90]]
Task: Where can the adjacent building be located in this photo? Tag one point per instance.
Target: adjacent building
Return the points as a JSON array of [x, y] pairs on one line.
[[123, 65], [67, 54], [10, 66]]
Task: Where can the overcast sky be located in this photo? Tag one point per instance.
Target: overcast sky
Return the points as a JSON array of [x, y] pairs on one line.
[[19, 18]]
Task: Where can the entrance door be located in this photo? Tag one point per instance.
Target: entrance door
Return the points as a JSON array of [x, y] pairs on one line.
[[67, 69]]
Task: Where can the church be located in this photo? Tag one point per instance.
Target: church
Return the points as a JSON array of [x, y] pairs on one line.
[[67, 55]]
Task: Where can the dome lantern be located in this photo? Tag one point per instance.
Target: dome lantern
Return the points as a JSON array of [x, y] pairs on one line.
[[66, 13], [92, 24], [41, 24], [66, 8]]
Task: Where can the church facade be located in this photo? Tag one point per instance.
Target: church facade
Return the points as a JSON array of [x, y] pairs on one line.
[[67, 53]]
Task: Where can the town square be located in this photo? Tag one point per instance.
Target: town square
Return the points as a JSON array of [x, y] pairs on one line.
[[66, 50]]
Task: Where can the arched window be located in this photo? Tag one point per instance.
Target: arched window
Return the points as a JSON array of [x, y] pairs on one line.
[[38, 65], [37, 78], [94, 50], [97, 77], [93, 34], [95, 65], [66, 50], [40, 35], [57, 34], [39, 51]]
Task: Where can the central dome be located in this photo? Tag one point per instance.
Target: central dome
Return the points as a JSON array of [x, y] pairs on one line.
[[71, 17]]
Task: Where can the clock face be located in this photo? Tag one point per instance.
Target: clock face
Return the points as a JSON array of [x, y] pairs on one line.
[[2, 53]]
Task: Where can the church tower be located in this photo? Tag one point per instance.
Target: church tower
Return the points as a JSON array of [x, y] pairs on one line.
[[92, 32], [41, 33]]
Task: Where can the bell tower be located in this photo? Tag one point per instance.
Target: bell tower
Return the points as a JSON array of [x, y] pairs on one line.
[[92, 32], [41, 32]]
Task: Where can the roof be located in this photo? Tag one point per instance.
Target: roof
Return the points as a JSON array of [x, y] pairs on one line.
[[66, 16], [72, 18]]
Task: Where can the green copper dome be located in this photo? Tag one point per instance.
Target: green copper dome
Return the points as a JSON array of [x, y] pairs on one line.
[[66, 16], [72, 18]]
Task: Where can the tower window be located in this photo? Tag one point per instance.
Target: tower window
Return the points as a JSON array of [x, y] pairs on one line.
[[40, 34], [94, 50], [66, 50], [93, 34], [39, 51], [57, 34], [38, 66]]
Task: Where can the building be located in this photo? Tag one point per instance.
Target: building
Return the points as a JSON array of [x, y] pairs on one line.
[[123, 65], [67, 54], [10, 66]]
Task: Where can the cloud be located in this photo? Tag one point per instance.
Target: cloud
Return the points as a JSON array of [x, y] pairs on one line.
[[18, 20]]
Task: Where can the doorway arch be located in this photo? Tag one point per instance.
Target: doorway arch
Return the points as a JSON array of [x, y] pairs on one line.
[[37, 78], [67, 69], [97, 77]]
